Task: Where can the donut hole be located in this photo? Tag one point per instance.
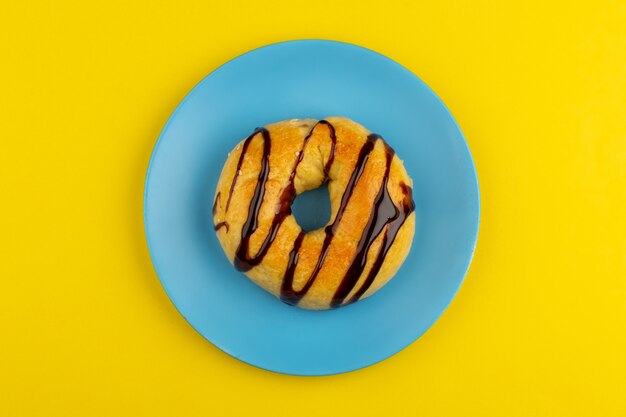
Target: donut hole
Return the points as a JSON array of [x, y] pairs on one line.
[[312, 208]]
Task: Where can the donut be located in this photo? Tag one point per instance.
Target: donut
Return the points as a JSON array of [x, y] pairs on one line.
[[372, 220]]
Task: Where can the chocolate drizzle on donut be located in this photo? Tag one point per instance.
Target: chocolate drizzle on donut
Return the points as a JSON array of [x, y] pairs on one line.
[[384, 213], [394, 225], [287, 293], [243, 261], [385, 217], [333, 138], [246, 143], [219, 225]]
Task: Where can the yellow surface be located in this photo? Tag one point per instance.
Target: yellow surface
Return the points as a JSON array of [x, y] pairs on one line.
[[538, 328]]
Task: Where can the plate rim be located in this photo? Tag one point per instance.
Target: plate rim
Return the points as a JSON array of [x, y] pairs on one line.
[[428, 89]]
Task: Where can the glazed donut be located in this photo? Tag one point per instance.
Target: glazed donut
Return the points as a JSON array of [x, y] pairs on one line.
[[371, 226]]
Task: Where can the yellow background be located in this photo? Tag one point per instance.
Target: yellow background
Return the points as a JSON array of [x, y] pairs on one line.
[[539, 326]]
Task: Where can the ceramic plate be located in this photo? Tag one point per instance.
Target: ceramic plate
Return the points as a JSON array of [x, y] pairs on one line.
[[309, 79]]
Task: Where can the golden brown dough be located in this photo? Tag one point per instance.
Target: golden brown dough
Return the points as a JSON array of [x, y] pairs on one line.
[[371, 226]]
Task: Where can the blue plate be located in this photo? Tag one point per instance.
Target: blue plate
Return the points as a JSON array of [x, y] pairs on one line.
[[301, 79]]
